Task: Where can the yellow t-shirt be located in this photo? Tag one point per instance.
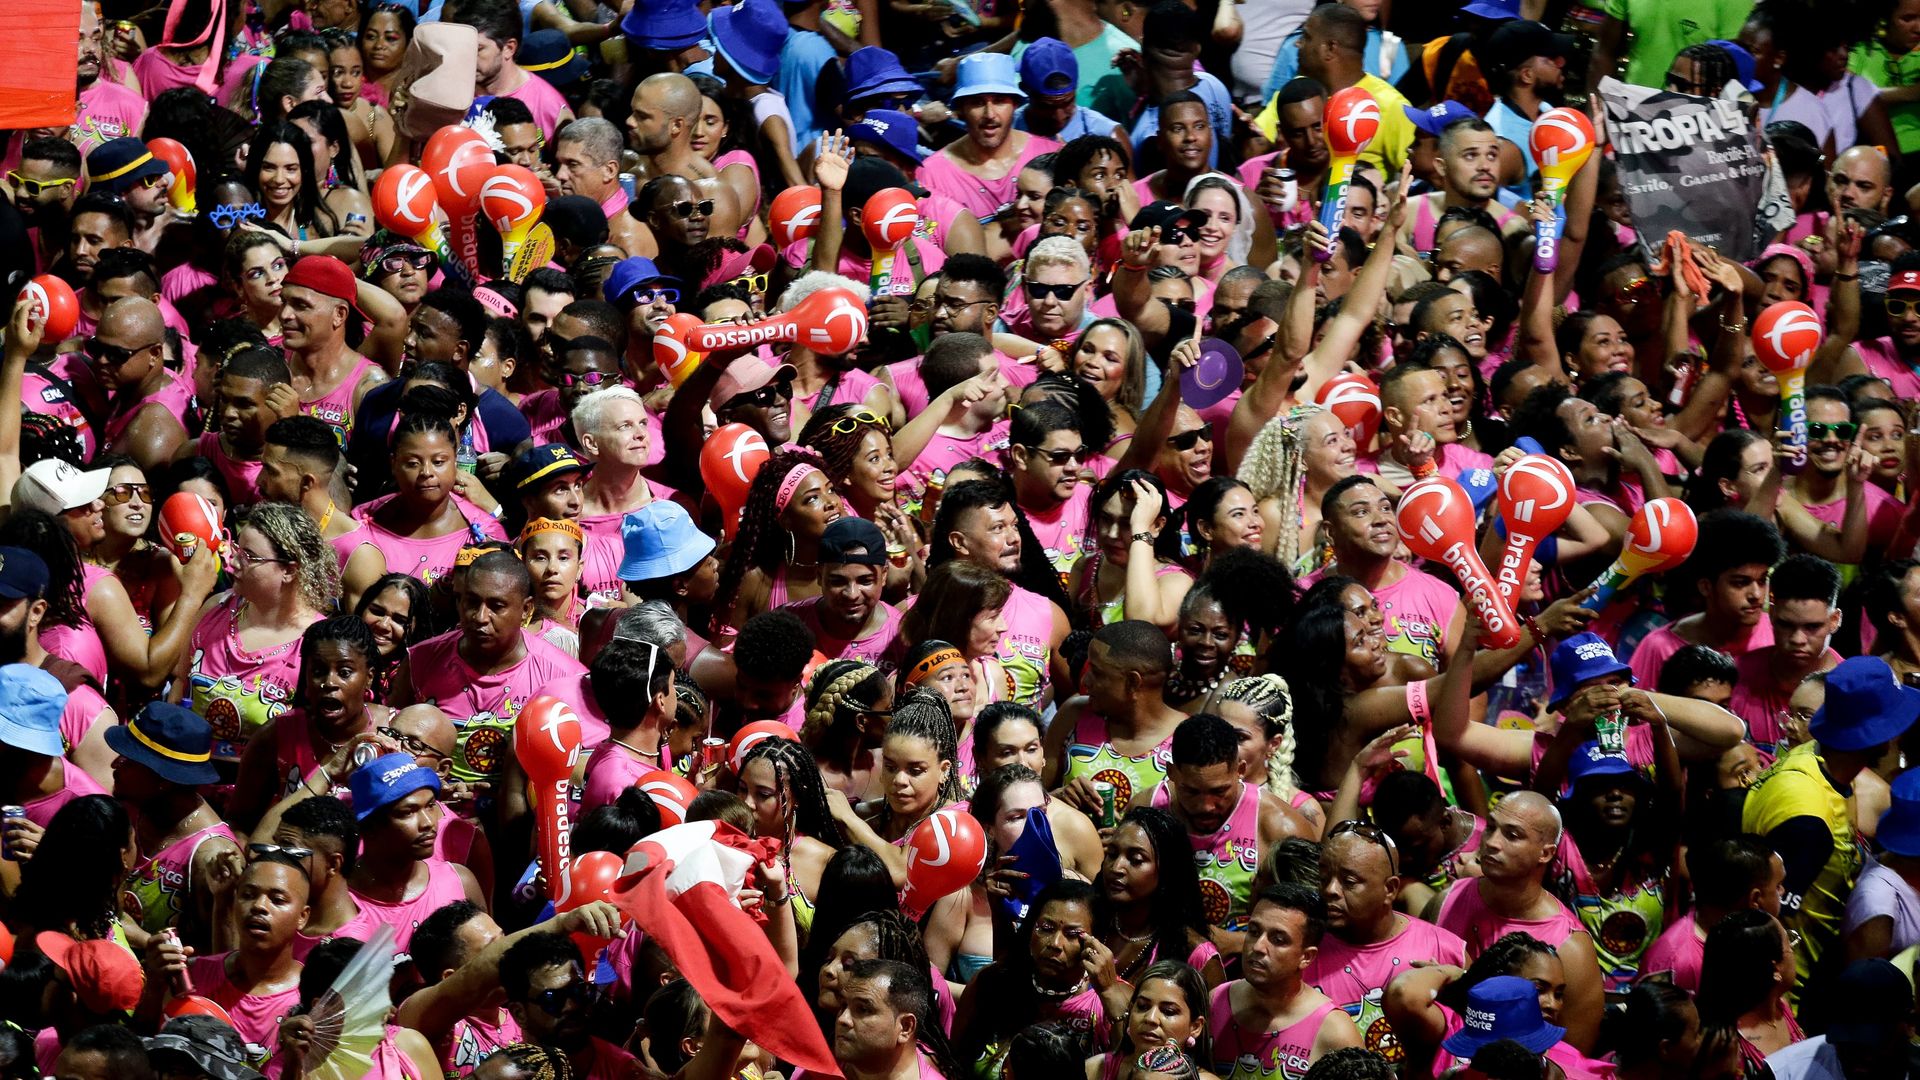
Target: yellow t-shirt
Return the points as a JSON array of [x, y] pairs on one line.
[[1798, 786], [1388, 150]]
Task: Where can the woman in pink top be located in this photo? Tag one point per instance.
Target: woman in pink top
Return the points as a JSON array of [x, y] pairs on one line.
[[772, 561], [1112, 356], [1045, 976], [551, 550], [244, 664], [144, 569], [615, 436], [423, 525], [1133, 574]]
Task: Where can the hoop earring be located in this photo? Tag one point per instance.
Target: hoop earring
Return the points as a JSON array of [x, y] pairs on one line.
[[791, 550]]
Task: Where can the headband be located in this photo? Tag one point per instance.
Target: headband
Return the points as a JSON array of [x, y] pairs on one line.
[[495, 303], [466, 555], [1799, 256], [551, 525], [790, 483], [934, 661]]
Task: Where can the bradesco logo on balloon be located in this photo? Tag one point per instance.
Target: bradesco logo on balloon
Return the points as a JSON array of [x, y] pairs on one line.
[[1428, 502]]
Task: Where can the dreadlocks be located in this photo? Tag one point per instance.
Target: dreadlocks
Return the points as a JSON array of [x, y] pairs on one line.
[[1272, 703], [760, 543], [1275, 467], [803, 797], [66, 592], [922, 714], [840, 692], [538, 1062]]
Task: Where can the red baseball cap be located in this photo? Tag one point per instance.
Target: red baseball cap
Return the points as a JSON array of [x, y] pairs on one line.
[[327, 276], [1904, 281], [105, 976]]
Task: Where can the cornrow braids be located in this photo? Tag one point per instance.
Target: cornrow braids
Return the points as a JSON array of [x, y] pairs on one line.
[[1275, 466], [895, 937], [837, 449], [1271, 700], [758, 544], [538, 1062], [922, 714], [803, 795], [840, 691]]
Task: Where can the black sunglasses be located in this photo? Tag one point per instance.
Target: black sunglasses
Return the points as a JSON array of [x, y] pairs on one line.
[[262, 851], [554, 1002], [685, 210], [1366, 830], [1061, 457], [1186, 440], [1037, 290], [762, 398], [109, 353]]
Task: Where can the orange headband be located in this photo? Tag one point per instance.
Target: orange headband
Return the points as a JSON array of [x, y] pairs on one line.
[[924, 670], [562, 526]]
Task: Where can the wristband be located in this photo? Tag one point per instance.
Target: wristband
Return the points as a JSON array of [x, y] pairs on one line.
[[1846, 277], [1143, 538], [1421, 472]]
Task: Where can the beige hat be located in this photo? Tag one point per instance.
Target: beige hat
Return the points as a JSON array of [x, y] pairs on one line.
[[437, 77]]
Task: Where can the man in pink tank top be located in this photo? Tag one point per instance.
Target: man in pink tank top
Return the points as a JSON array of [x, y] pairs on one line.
[[147, 403], [1732, 873], [258, 983], [330, 376], [848, 619], [1269, 1024], [1523, 836], [397, 881], [1732, 560]]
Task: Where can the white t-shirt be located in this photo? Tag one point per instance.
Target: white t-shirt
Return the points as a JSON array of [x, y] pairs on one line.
[[1267, 23]]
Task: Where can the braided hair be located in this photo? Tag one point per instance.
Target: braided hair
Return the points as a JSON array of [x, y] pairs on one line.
[[1271, 701], [1506, 956], [895, 937], [840, 692], [838, 449], [1275, 467], [803, 795], [66, 592], [759, 543], [921, 713], [538, 1062]]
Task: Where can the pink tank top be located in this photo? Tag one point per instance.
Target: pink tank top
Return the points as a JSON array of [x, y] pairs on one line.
[[346, 544], [242, 477], [483, 707], [255, 1017], [1464, 913], [741, 157], [1226, 858], [474, 1040], [430, 558], [176, 397], [75, 782], [877, 648], [1239, 1054], [236, 690], [335, 407], [84, 708], [443, 888], [293, 753], [611, 771], [154, 893], [41, 394], [604, 551], [81, 644]]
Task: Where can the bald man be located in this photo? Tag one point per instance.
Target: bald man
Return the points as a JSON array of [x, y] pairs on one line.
[[147, 404], [586, 162], [1862, 179], [1523, 836], [660, 130]]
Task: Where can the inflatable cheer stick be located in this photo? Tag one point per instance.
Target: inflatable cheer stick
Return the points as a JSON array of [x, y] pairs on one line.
[[1353, 118], [1660, 537], [513, 200], [794, 215], [54, 305], [889, 219], [403, 203], [546, 741], [1562, 142], [729, 461], [1785, 337], [1536, 497], [1436, 521], [180, 163], [830, 322], [459, 161], [1355, 401], [944, 854]]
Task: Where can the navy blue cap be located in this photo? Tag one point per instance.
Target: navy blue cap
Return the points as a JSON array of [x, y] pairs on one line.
[[23, 574], [1589, 760], [548, 54], [542, 463], [117, 164], [1578, 659], [176, 743], [1435, 120], [1866, 706]]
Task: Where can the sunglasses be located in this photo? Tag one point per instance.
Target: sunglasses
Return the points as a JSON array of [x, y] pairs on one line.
[[587, 378], [1630, 293], [226, 217], [684, 210], [641, 297], [1040, 291], [554, 1002], [1184, 303], [154, 180], [126, 493], [33, 189], [406, 260], [1898, 308], [1845, 430], [851, 422], [409, 743], [1061, 457], [262, 851], [762, 398], [1187, 440], [1368, 831], [111, 354], [754, 283]]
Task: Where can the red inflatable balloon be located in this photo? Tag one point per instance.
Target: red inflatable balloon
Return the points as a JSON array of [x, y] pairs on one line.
[[1660, 537], [1356, 401], [671, 792], [1436, 521], [1562, 141], [54, 305], [670, 352], [180, 162], [591, 879], [731, 457], [944, 854], [889, 217], [1786, 335], [459, 161], [188, 521], [754, 734], [196, 1005], [403, 201], [513, 199], [794, 215], [546, 741], [831, 322], [1353, 119], [1536, 497]]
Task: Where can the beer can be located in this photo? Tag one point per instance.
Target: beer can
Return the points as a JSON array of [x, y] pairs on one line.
[[8, 813], [712, 752], [179, 982], [365, 753], [1109, 815]]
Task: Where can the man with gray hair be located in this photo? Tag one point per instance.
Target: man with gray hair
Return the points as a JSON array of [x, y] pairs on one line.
[[1058, 288], [612, 427], [586, 161], [1522, 839]]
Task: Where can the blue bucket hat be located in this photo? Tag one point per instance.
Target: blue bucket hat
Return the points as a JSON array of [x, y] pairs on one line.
[[1743, 64], [31, 701], [749, 34], [548, 54], [894, 130], [986, 73], [1866, 706], [872, 71], [1579, 658], [629, 274], [176, 743], [664, 25], [1899, 830], [1503, 1007], [1493, 9], [1048, 67], [386, 780], [661, 540], [1435, 120]]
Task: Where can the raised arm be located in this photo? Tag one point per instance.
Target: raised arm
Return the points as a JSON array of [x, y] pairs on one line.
[[1342, 332], [830, 165]]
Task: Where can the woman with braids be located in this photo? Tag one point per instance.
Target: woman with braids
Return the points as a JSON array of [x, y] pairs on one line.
[[551, 550], [522, 1061], [1168, 1012], [774, 556], [399, 615], [422, 526], [855, 445], [919, 774], [1133, 574], [884, 934], [1288, 467], [1058, 969], [848, 702], [1260, 707], [244, 664], [1150, 908], [782, 786]]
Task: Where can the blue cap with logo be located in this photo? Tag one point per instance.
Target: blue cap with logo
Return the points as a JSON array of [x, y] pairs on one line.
[[894, 130], [1578, 659], [386, 780], [1743, 63], [1438, 118]]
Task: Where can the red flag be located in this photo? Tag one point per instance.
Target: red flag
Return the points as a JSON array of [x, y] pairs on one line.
[[678, 886], [37, 83]]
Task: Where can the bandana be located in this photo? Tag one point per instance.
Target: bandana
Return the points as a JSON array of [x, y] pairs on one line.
[[925, 669], [562, 526]]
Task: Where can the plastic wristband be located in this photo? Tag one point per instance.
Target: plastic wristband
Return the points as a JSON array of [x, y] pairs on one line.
[[1421, 472]]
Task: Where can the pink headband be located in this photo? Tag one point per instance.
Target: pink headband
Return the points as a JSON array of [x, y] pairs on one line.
[[1801, 257], [495, 303], [789, 484]]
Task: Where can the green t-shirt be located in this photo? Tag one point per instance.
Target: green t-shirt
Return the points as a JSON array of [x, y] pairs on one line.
[[1872, 62], [1661, 28], [1102, 88]]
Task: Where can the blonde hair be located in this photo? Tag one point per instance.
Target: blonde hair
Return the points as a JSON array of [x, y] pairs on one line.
[[1058, 251], [1275, 467], [814, 281], [295, 538], [1272, 701]]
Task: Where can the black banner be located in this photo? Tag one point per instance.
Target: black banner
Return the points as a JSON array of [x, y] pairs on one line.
[[1688, 163]]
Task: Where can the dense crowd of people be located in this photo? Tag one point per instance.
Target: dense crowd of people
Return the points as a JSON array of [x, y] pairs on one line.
[[313, 505]]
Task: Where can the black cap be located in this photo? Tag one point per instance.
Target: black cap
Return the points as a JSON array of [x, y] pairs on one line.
[[23, 574], [867, 176], [1164, 214], [853, 540], [1518, 41], [576, 219]]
